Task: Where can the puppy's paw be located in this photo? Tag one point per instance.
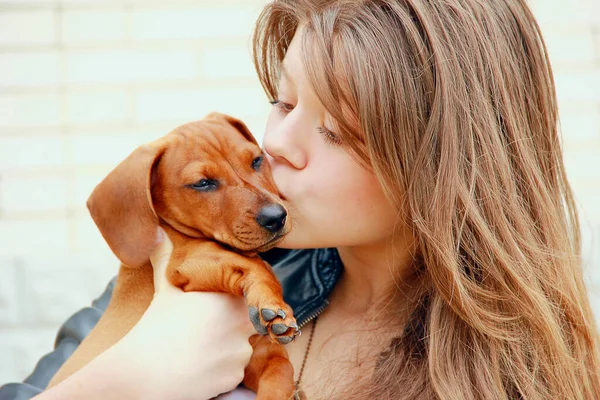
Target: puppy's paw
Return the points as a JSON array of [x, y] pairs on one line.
[[277, 322]]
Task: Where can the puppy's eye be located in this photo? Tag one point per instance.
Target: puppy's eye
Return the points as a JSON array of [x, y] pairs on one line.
[[204, 185], [257, 162]]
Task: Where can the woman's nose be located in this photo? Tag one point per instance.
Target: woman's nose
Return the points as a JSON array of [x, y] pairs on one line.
[[283, 143]]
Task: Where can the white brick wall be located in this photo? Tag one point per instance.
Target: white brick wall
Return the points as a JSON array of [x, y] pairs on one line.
[[83, 82], [27, 27], [108, 26]]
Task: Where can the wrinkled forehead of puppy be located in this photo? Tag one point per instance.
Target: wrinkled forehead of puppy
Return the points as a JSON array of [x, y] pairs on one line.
[[213, 138]]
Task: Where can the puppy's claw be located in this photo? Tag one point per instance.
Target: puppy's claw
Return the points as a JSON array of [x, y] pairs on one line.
[[281, 313], [268, 315], [255, 319]]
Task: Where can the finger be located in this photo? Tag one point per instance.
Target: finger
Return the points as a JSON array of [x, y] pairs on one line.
[[248, 328], [236, 308], [160, 258], [247, 353]]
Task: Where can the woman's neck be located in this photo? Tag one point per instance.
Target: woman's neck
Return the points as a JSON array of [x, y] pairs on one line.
[[374, 274]]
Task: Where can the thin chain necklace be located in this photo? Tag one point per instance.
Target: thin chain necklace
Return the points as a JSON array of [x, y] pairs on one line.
[[300, 395]]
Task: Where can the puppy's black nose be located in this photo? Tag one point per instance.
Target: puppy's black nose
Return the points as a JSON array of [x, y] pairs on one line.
[[272, 217]]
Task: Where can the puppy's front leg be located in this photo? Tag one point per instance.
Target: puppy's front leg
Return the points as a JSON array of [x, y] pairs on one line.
[[212, 268]]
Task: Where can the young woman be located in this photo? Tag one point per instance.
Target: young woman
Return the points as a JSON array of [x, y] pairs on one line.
[[416, 145]]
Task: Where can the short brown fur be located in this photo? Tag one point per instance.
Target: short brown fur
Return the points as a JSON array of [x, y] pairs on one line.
[[150, 188]]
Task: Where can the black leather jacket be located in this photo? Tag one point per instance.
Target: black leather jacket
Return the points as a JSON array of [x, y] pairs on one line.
[[307, 277]]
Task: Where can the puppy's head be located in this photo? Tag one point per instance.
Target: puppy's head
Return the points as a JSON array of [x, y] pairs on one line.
[[206, 179]]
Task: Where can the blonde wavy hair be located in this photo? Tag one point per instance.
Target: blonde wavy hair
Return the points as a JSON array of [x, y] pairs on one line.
[[452, 104]]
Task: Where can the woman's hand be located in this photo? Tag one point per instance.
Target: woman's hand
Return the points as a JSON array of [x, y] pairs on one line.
[[187, 345], [190, 345]]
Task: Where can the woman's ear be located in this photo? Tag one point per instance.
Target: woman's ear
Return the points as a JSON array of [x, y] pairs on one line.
[[121, 205]]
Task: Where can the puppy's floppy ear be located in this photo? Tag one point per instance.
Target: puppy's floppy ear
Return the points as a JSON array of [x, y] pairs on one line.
[[121, 205], [236, 123]]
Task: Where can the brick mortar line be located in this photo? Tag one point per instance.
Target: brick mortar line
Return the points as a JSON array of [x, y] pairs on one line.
[[4, 328], [190, 44], [596, 40], [171, 85], [94, 129], [22, 297], [137, 126], [2, 211], [67, 215], [112, 4]]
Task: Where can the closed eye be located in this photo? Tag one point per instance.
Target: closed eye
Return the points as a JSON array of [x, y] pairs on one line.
[[281, 106], [328, 135], [204, 185]]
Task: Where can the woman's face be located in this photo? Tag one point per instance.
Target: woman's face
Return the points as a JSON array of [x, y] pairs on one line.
[[331, 199]]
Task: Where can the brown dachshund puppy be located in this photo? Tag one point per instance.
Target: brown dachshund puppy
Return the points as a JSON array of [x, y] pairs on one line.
[[205, 183]]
